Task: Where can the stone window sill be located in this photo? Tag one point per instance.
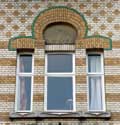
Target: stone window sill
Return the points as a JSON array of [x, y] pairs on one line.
[[50, 115]]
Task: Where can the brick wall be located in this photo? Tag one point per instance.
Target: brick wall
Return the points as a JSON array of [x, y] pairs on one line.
[[16, 19]]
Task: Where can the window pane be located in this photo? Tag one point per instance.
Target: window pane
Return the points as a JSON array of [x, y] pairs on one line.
[[95, 93], [24, 94], [94, 63], [60, 93], [25, 63], [59, 63]]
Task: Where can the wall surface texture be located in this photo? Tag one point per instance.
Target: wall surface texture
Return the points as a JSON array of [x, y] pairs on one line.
[[16, 20]]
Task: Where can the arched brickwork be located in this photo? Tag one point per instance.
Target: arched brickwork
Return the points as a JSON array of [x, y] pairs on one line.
[[66, 15], [59, 15]]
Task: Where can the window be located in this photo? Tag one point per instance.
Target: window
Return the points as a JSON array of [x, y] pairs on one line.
[[95, 82], [24, 83], [60, 95]]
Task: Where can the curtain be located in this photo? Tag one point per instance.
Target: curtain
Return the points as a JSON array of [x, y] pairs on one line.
[[23, 94], [95, 93], [95, 83], [24, 83], [22, 88], [94, 63], [21, 66]]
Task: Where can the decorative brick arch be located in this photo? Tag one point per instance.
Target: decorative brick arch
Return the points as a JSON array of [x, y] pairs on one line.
[[65, 15], [59, 14]]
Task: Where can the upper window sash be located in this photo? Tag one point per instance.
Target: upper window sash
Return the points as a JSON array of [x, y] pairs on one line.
[[70, 62], [96, 62], [24, 66]]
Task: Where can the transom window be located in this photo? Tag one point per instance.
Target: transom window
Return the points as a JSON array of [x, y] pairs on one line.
[[59, 33], [24, 83], [60, 93], [95, 74]]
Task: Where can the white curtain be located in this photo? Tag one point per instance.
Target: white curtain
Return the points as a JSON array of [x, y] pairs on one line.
[[95, 94], [94, 63], [95, 83], [22, 97]]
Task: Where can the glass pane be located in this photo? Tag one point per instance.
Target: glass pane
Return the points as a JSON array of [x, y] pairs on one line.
[[94, 63], [95, 93], [59, 63], [24, 94], [25, 63], [60, 33], [60, 93]]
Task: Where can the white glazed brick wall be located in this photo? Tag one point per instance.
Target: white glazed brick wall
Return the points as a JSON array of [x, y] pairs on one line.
[[39, 70], [80, 70], [112, 88], [7, 70], [81, 88], [5, 53], [114, 53], [38, 88], [112, 70], [7, 106], [60, 47], [80, 53], [81, 106], [10, 106], [113, 106], [38, 106], [7, 88], [39, 53]]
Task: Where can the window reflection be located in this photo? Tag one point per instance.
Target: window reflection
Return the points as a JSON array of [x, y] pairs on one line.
[[60, 93], [60, 63]]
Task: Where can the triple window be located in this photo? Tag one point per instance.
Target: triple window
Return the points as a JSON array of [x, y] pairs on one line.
[[60, 82]]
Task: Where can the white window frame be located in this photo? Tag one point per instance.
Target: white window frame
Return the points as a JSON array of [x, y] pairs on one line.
[[101, 74], [56, 74], [24, 74]]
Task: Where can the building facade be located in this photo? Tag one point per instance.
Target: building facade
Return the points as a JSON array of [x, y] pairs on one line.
[[59, 62]]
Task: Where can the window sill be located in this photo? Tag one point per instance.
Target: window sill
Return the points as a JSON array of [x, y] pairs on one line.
[[50, 115], [103, 115]]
